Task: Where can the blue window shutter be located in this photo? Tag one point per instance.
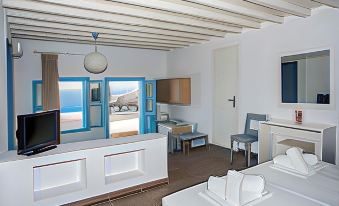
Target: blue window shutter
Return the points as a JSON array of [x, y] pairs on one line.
[[150, 106]]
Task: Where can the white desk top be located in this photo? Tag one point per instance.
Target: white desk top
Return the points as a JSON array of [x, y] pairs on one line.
[[76, 146], [304, 126]]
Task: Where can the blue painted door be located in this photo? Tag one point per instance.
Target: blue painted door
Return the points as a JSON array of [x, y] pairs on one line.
[[150, 106]]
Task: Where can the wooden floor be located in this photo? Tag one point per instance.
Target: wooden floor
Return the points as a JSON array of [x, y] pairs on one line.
[[185, 171]]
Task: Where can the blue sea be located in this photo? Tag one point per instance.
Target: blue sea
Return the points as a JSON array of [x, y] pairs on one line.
[[71, 100]]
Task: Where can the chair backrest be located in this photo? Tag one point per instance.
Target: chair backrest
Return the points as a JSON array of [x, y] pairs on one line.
[[253, 117]]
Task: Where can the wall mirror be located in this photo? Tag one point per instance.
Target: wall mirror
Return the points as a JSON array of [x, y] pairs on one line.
[[307, 78]]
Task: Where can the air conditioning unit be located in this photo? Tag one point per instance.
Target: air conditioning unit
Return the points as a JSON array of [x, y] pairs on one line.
[[17, 49]]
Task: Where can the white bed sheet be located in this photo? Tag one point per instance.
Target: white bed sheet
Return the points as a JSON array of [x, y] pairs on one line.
[[319, 189], [191, 196], [322, 187]]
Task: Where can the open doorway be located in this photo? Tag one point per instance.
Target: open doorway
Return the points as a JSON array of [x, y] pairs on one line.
[[124, 108]]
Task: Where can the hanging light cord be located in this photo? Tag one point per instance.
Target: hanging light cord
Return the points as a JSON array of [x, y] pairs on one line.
[[95, 36]]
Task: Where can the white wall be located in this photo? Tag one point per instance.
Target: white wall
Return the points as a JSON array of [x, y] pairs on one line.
[[3, 83], [196, 62], [259, 69], [122, 62]]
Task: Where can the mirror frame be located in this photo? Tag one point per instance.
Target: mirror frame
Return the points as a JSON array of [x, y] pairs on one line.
[[332, 104]]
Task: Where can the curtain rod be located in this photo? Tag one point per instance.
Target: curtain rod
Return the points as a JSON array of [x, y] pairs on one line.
[[62, 53]]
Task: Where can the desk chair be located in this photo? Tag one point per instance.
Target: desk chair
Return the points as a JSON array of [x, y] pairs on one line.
[[250, 135]]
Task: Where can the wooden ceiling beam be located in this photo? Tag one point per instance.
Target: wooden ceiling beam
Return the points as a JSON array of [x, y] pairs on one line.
[[141, 12], [42, 24], [305, 3], [89, 38], [28, 15], [14, 27], [331, 3], [239, 9], [58, 10], [89, 42], [284, 6]]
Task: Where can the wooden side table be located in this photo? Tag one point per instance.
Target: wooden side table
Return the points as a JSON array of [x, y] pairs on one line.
[[187, 141]]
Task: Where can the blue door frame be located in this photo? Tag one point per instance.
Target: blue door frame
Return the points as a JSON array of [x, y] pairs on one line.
[[10, 97], [142, 101]]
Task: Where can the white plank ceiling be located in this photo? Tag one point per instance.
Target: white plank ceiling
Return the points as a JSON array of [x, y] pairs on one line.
[[147, 24]]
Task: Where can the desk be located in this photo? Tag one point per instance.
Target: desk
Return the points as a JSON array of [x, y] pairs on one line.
[[168, 128], [277, 135]]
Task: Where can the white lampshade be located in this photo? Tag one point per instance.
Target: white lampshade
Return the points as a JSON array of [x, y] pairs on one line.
[[95, 62]]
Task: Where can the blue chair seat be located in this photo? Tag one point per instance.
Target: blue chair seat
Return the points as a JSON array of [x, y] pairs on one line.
[[191, 136], [244, 138]]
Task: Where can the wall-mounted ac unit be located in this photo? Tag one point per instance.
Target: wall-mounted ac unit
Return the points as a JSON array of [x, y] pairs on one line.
[[17, 49]]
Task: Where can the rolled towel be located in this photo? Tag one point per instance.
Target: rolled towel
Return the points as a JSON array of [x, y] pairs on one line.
[[252, 188], [234, 187], [283, 160], [253, 183], [217, 185], [310, 159], [296, 157]]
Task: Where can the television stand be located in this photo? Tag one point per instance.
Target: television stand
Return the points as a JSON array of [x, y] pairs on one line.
[[84, 172], [40, 150]]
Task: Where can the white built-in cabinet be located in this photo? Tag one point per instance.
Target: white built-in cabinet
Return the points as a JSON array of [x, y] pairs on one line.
[[81, 170]]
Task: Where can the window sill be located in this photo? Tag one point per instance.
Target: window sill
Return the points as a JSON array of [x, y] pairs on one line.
[[75, 130]]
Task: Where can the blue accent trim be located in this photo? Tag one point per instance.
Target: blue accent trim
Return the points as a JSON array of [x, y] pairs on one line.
[[142, 94], [36, 107], [85, 94], [10, 97], [75, 130], [97, 104], [150, 117]]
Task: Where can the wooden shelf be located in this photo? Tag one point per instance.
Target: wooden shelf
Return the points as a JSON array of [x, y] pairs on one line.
[[308, 147]]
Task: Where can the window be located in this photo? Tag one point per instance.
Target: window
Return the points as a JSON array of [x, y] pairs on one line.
[[73, 93]]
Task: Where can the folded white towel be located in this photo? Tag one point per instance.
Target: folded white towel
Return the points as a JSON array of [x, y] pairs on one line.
[[283, 160], [234, 187], [252, 188], [217, 185], [311, 159], [296, 157]]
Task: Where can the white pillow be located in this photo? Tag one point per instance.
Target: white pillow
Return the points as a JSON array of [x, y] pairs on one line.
[[296, 157]]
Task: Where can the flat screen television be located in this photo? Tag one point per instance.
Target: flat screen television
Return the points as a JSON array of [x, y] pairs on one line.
[[38, 132]]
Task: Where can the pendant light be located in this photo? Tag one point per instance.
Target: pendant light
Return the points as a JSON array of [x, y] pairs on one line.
[[95, 62]]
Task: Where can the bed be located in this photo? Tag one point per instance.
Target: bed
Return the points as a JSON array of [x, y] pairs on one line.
[[321, 188]]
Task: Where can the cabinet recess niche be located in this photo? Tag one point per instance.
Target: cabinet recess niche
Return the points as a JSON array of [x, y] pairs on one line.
[[174, 91]]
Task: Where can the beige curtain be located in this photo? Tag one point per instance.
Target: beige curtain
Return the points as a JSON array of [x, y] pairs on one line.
[[50, 82]]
